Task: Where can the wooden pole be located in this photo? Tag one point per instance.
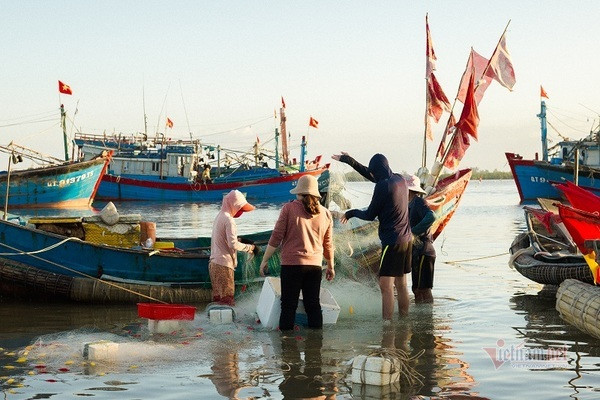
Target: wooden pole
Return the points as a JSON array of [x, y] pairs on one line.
[[7, 187]]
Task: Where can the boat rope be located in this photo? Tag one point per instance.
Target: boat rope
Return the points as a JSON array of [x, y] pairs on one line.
[[475, 259], [32, 254], [19, 252]]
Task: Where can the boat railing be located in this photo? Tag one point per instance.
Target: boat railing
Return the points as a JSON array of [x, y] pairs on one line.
[[14, 149]]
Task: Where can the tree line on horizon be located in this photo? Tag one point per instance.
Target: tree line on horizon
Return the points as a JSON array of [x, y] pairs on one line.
[[354, 176]]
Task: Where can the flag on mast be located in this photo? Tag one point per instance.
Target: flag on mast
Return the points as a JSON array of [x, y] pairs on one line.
[[64, 88], [543, 92], [465, 127], [313, 122], [502, 66], [169, 122], [436, 100], [282, 102], [479, 63]]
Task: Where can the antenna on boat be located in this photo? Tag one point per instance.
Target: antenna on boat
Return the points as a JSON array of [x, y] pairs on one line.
[[161, 111], [186, 114], [145, 117], [63, 123]]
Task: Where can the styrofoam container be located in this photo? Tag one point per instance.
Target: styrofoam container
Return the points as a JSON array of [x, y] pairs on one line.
[[269, 305], [376, 371], [101, 351], [166, 325], [221, 316]]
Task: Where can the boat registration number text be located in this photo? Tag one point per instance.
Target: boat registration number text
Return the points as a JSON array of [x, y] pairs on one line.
[[538, 179], [71, 180]]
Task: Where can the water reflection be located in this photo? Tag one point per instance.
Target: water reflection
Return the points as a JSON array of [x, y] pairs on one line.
[[303, 377], [544, 331], [225, 371]]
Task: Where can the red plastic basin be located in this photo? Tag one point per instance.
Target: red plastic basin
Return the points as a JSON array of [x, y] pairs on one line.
[[159, 311]]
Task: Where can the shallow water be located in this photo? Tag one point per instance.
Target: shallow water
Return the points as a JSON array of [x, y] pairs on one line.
[[477, 340]]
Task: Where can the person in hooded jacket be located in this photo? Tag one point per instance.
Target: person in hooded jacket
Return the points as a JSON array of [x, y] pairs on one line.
[[389, 205], [224, 246]]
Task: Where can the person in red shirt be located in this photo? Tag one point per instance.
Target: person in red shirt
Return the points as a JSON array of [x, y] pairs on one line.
[[303, 232]]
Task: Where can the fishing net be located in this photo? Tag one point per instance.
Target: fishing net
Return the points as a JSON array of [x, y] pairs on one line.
[[357, 245]]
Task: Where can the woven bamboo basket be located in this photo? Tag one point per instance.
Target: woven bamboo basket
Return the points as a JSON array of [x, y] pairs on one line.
[[578, 304]]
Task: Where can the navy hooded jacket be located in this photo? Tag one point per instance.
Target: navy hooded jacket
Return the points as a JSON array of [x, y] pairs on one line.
[[389, 203]]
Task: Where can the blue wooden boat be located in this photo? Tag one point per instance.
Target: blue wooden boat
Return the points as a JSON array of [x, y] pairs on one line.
[[35, 262], [275, 188], [163, 169], [57, 184], [575, 161]]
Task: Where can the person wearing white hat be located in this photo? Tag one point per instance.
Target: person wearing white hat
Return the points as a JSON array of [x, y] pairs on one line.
[[224, 246], [423, 254], [303, 231]]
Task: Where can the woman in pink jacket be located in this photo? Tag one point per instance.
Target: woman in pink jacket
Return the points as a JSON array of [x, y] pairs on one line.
[[304, 233], [224, 246]]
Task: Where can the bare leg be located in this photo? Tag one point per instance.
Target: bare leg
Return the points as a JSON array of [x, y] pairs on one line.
[[386, 284], [426, 296], [402, 291]]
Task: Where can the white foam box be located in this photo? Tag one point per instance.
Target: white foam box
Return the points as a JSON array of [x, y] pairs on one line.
[[165, 325], [101, 351], [269, 305], [221, 316], [378, 371]]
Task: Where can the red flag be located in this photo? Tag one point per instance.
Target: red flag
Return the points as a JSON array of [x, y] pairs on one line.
[[431, 58], [169, 123], [449, 126], [458, 148], [469, 118], [437, 100], [482, 82], [502, 66], [64, 88], [313, 122], [543, 92], [282, 102]]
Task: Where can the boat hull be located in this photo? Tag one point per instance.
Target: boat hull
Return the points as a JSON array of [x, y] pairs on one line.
[[534, 178], [47, 257], [271, 189], [71, 185]]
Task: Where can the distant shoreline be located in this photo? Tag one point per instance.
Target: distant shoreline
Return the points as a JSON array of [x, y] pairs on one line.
[[354, 176]]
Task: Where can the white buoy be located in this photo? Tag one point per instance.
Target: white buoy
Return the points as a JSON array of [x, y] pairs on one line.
[[373, 370]]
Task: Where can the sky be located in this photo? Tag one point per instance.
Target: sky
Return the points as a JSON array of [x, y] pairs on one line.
[[218, 70]]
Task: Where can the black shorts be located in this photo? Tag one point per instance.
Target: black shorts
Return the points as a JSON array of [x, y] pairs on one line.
[[422, 272], [395, 260]]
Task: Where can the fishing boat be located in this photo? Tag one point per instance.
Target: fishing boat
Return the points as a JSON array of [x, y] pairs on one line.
[[576, 161], [358, 250], [54, 183], [86, 259], [163, 169], [545, 253], [584, 227]]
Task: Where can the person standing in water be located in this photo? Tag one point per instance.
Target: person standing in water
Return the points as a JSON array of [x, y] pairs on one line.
[[224, 246], [423, 254], [389, 205], [304, 233]]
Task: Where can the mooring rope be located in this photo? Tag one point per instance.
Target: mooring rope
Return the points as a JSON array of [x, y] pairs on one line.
[[19, 253], [475, 259], [32, 254]]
